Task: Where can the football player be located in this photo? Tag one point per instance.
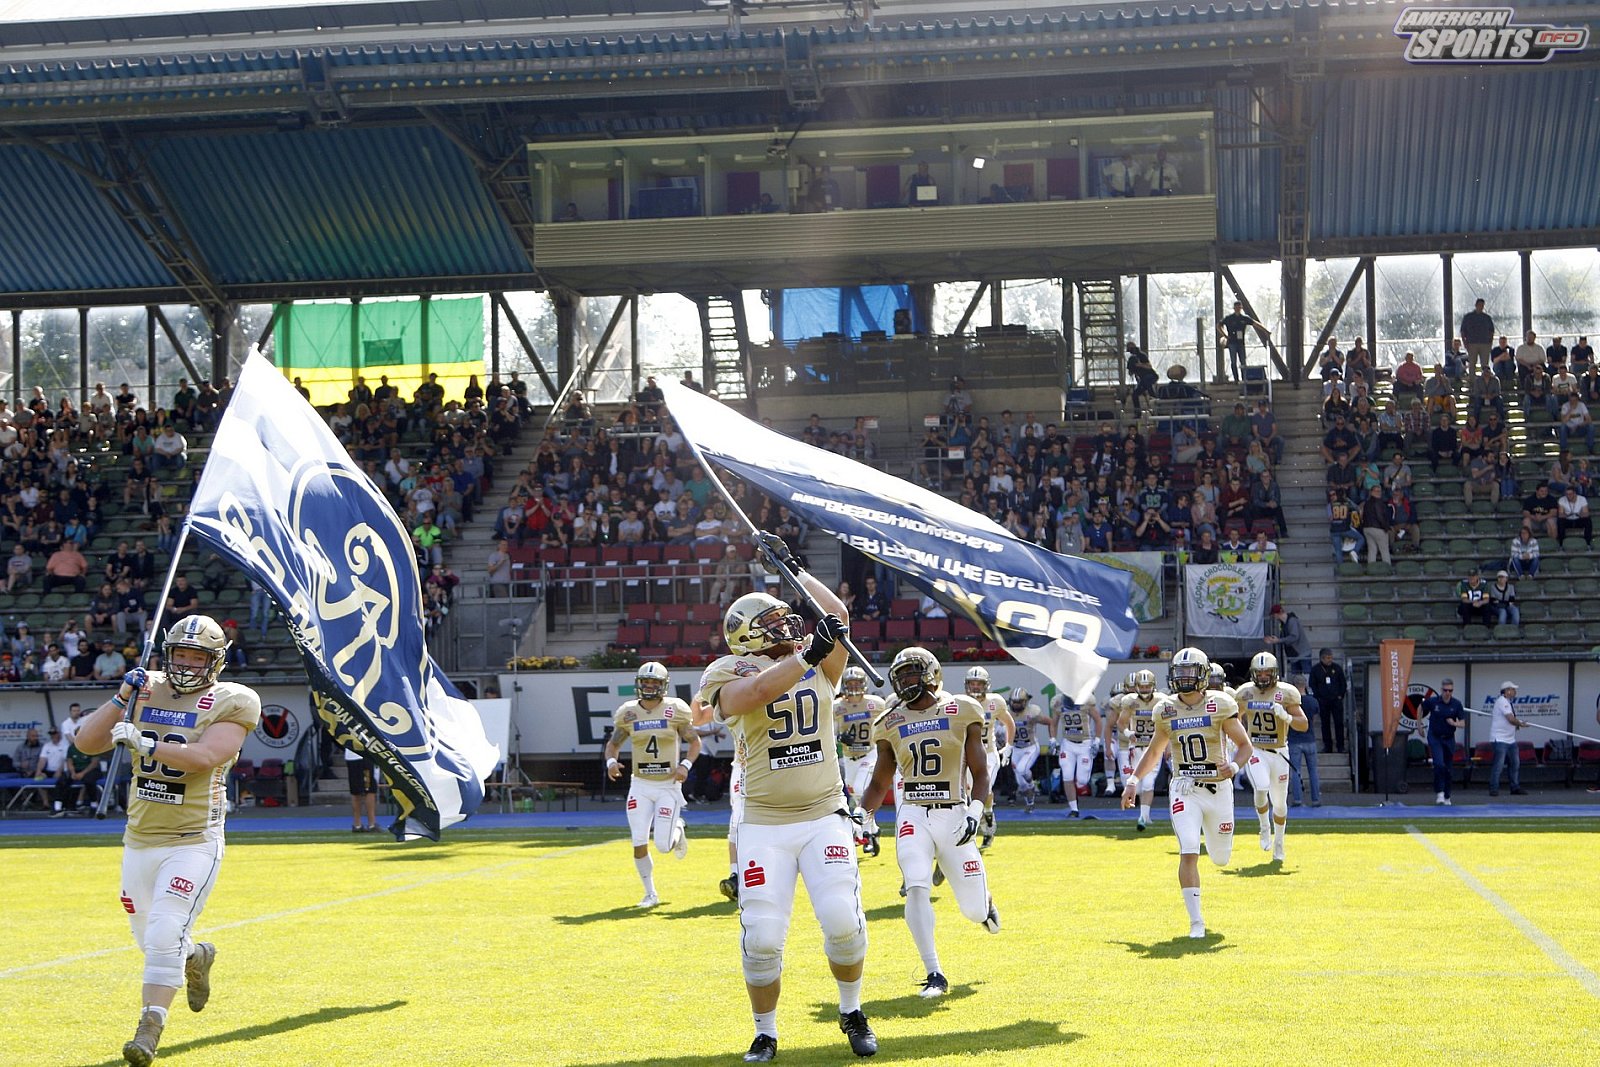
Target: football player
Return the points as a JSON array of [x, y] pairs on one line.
[[729, 886], [1270, 708], [933, 738], [857, 709], [1136, 728], [183, 732], [1197, 725], [775, 691], [1075, 729], [1116, 755], [656, 724], [1027, 721], [997, 724]]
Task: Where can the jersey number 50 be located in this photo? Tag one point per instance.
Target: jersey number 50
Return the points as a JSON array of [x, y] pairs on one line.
[[796, 712]]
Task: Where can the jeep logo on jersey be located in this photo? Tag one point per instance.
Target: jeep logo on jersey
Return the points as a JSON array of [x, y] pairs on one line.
[[1482, 35], [279, 727]]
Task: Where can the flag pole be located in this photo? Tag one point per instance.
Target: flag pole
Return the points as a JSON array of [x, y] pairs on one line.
[[1540, 726], [777, 566], [144, 661]]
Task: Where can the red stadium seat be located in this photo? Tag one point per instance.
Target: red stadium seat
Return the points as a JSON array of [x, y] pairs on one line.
[[641, 613], [673, 613], [633, 634], [668, 634], [934, 630], [903, 608], [896, 631]]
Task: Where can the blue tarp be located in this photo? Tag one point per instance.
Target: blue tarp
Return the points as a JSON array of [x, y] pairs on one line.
[[848, 311]]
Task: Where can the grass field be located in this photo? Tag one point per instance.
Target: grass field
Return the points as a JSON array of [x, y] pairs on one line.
[[496, 948]]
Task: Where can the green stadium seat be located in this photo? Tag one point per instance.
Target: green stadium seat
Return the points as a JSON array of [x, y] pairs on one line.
[[1407, 568], [1437, 568], [1413, 613], [1415, 633], [1430, 529], [1569, 633], [1350, 570], [1538, 632], [1491, 548], [1461, 548], [1482, 507], [1353, 613]]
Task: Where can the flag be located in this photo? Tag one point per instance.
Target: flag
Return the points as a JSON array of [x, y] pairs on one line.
[[1226, 599], [1394, 659], [282, 500], [1061, 615]]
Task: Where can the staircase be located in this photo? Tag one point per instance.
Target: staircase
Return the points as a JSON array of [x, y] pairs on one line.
[[1100, 325], [725, 337]]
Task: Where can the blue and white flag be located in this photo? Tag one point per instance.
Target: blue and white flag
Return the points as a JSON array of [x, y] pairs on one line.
[[1061, 615], [281, 499]]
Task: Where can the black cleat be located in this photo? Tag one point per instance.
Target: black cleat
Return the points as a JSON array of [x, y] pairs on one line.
[[764, 1049], [863, 1042], [935, 985], [938, 876], [730, 888], [869, 845]]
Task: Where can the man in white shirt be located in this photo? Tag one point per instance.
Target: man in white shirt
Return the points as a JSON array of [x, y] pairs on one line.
[[52, 757], [1162, 177], [1503, 727], [55, 665], [1572, 513], [1529, 357], [170, 452], [1575, 419], [1119, 177], [69, 728]]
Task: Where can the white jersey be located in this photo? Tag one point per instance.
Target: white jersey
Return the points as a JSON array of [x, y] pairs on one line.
[[992, 705], [855, 715], [1026, 721]]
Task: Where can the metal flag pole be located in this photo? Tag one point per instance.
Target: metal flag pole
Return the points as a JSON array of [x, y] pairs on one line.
[[1540, 726], [775, 565], [144, 661]]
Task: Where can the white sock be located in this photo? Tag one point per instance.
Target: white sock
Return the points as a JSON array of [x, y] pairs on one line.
[[1191, 903], [1277, 832], [849, 996], [646, 865], [733, 870], [919, 916], [1144, 811], [1072, 802], [767, 1023], [160, 1012]]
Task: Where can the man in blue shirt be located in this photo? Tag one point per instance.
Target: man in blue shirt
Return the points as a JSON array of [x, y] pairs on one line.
[[1445, 716], [1303, 746]]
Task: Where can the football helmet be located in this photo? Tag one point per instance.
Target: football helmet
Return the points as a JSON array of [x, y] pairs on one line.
[[1144, 683], [1130, 682], [1018, 699], [1264, 670], [198, 632], [854, 681], [651, 682], [1189, 671], [915, 673], [1219, 677], [977, 682], [757, 622]]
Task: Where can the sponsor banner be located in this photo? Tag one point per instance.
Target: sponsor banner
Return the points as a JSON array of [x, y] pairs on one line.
[[1482, 35], [1422, 683], [1226, 599], [1394, 663], [1542, 692], [1061, 615], [1147, 593]]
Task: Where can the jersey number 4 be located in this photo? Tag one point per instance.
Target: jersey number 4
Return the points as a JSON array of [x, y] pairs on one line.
[[791, 711], [148, 766]]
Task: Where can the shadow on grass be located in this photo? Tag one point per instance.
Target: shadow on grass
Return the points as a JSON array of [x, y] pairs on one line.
[[1270, 869], [906, 1006], [410, 854], [716, 907], [1177, 947], [282, 1026], [624, 912], [1027, 1034]]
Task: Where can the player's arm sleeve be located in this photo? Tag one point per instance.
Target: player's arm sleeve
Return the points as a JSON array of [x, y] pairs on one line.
[[243, 706]]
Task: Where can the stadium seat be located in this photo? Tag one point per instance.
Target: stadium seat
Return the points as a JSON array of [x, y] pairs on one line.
[[1353, 613], [903, 608], [897, 631], [640, 613]]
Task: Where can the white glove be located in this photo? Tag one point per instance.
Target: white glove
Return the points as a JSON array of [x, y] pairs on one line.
[[973, 810], [1005, 756], [126, 733]]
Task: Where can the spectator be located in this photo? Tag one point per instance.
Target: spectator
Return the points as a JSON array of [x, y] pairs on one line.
[[731, 579], [1233, 328], [1375, 526], [1443, 443], [1328, 686], [131, 608], [238, 655], [55, 666], [182, 601], [874, 601], [1118, 178], [1539, 513], [1575, 419], [1342, 532], [19, 569], [1503, 600], [1236, 430], [1338, 441], [1408, 378], [1472, 601], [82, 665], [1529, 358], [1288, 639], [1438, 395], [1477, 333], [1303, 750], [1264, 428], [1572, 513], [1266, 502], [1505, 474], [1481, 478], [1445, 715], [170, 451], [497, 570], [66, 566], [1144, 374], [25, 757], [78, 771], [102, 609], [1205, 550], [1503, 727], [1525, 554], [109, 665], [429, 541]]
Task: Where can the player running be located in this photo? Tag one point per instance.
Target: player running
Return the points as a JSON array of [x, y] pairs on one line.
[[1197, 725], [933, 738], [857, 710], [995, 754], [775, 690], [1136, 729], [182, 735], [1115, 754], [1075, 729], [656, 724], [1027, 721], [1270, 709]]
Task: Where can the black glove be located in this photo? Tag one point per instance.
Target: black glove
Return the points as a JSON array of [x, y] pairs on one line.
[[776, 554], [824, 639]]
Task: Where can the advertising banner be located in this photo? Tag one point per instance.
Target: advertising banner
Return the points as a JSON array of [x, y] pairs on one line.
[[1226, 599], [1394, 664]]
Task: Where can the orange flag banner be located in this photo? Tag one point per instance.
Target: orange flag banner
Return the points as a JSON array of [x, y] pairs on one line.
[[1394, 659]]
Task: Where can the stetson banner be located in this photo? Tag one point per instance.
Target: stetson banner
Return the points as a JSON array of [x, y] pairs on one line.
[[1394, 663], [1146, 597], [282, 500], [1225, 599], [1061, 615]]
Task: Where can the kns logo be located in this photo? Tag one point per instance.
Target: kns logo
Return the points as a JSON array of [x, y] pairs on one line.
[[835, 852]]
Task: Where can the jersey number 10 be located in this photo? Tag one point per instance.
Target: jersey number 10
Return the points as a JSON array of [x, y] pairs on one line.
[[1194, 748]]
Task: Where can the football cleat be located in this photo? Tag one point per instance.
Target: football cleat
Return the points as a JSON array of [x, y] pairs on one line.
[[991, 922], [1140, 825], [650, 900], [764, 1049], [1277, 852], [938, 876], [935, 985], [1197, 930], [730, 888], [141, 1051], [902, 888], [869, 845], [863, 1042], [1266, 840], [680, 840], [1074, 814], [197, 974]]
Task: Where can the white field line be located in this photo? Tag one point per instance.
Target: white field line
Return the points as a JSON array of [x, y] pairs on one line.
[[321, 905], [1547, 944]]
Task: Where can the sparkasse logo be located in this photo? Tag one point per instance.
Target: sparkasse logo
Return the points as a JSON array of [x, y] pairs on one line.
[[1482, 35]]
